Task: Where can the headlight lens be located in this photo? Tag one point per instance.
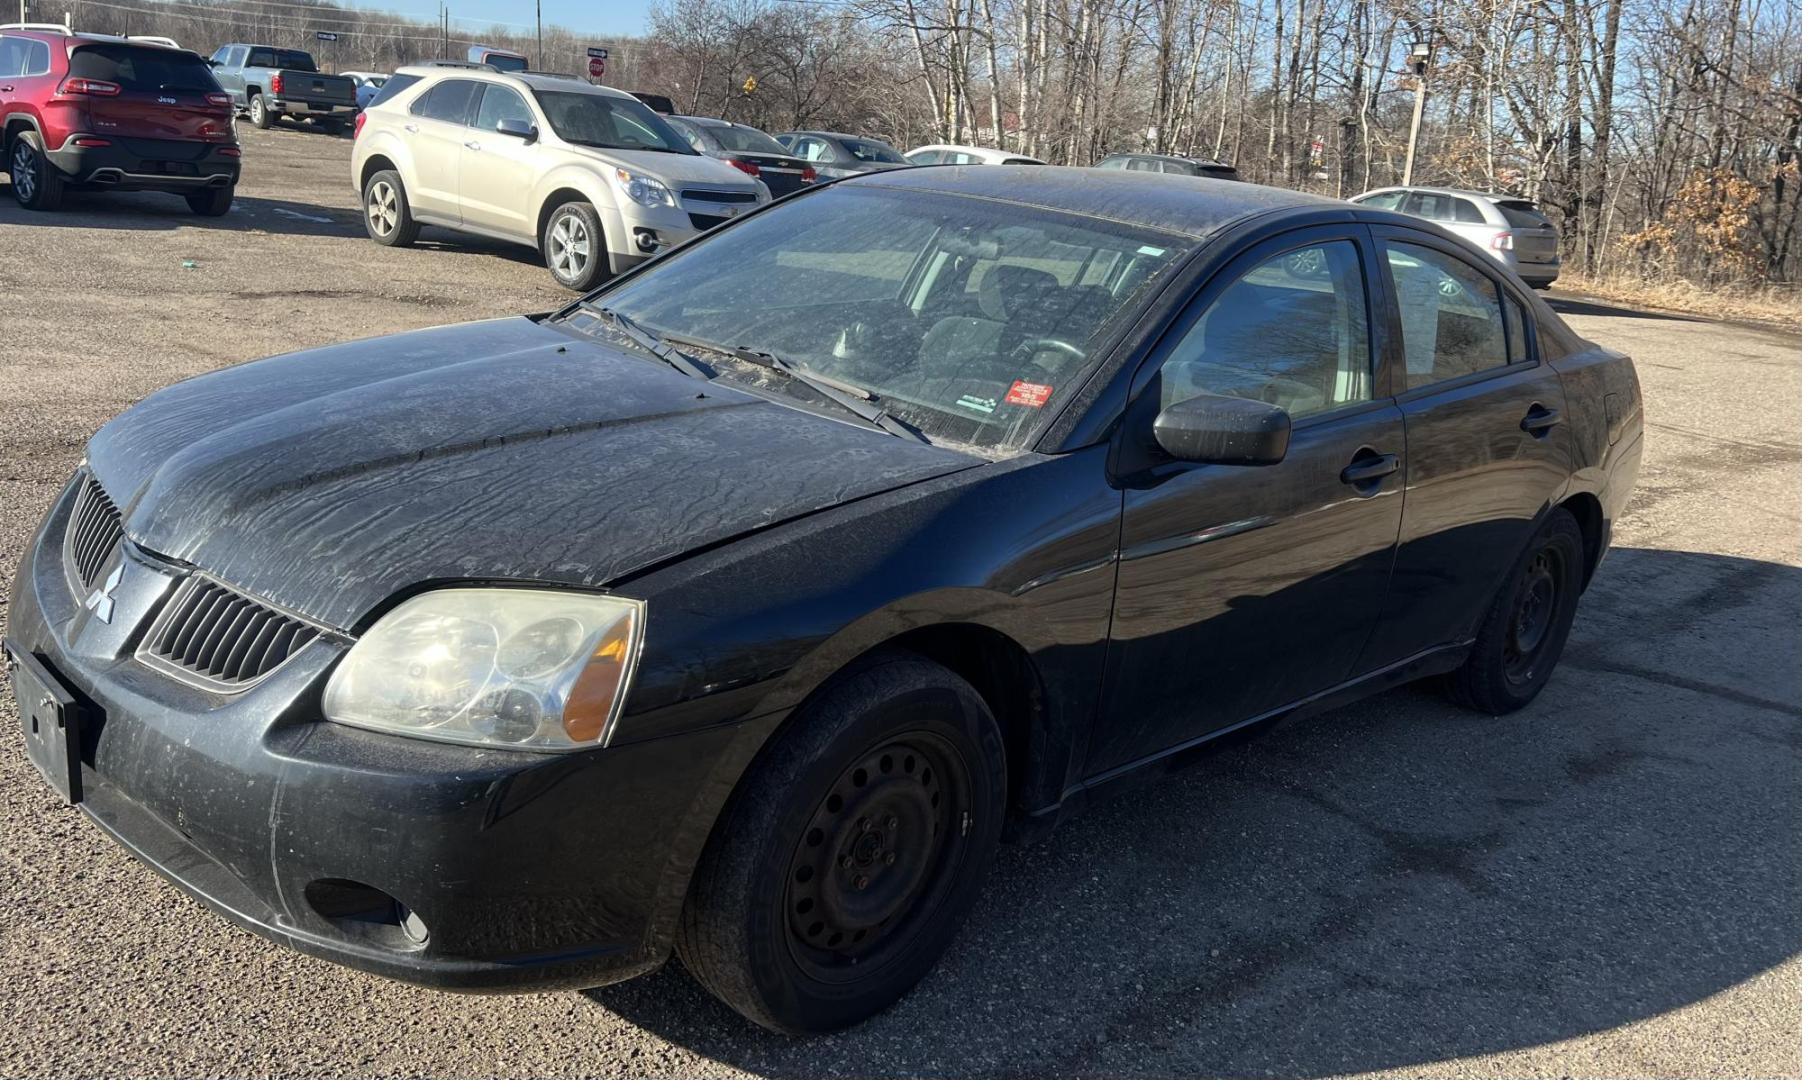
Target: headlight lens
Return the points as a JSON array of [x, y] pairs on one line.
[[642, 189], [519, 668]]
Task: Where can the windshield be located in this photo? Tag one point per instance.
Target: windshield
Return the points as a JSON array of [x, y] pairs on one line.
[[608, 122], [135, 67], [866, 150], [970, 320], [745, 140]]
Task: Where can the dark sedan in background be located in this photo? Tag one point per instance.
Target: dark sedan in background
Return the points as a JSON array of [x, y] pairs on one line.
[[741, 606], [748, 150]]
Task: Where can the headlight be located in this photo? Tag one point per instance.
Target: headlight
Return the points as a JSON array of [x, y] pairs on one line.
[[642, 189], [519, 668]]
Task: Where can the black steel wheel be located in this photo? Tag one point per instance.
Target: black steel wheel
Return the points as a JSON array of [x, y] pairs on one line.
[[1523, 634], [851, 851]]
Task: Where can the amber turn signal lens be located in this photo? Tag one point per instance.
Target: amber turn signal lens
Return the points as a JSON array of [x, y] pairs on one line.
[[591, 700]]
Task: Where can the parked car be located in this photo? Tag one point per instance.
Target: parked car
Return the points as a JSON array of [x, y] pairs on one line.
[[267, 83], [369, 84], [742, 603], [154, 39], [1170, 163], [588, 175], [834, 154], [498, 59], [952, 154], [748, 150], [1508, 227], [658, 103], [90, 111]]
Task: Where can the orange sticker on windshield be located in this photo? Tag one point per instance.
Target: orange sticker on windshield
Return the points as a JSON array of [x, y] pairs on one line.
[[1030, 394]]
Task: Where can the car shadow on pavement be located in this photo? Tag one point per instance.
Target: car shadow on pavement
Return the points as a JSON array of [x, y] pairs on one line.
[[150, 211], [1591, 308], [1393, 884]]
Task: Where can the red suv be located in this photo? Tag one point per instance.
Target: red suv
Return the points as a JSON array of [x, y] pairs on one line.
[[90, 111]]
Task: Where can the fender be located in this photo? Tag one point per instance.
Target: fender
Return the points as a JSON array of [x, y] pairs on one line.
[[6, 127]]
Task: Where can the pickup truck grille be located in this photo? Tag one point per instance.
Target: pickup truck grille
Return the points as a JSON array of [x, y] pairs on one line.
[[92, 533], [213, 636]]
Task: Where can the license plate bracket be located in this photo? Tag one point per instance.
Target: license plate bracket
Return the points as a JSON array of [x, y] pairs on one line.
[[51, 719]]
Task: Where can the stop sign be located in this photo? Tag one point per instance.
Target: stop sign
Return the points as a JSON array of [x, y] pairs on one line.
[[597, 66]]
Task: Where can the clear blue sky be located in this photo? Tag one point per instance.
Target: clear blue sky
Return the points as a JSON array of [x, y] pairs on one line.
[[618, 17]]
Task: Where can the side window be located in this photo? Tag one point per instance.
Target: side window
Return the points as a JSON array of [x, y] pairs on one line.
[[1293, 332], [500, 103], [1113, 163], [222, 54], [12, 56], [449, 101], [37, 59], [262, 58], [814, 150], [1451, 315], [396, 84], [1517, 331], [238, 55], [1465, 212], [926, 157], [1140, 164], [1388, 200], [1430, 206], [682, 128]]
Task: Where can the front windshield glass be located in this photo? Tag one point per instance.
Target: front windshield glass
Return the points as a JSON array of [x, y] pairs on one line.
[[867, 150], [971, 320], [608, 122]]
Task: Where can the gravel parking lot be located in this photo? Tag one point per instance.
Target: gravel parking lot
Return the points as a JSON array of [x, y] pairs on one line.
[[1609, 883]]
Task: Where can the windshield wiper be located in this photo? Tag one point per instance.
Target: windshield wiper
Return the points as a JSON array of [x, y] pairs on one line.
[[848, 396], [648, 340]]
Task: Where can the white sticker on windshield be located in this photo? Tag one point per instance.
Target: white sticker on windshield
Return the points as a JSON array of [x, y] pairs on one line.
[[979, 404], [1149, 250]]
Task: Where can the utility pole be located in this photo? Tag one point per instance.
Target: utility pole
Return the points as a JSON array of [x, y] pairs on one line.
[[540, 62], [1420, 55]]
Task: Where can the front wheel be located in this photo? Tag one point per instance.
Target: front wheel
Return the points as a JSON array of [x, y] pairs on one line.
[[574, 248], [852, 850], [213, 202], [259, 112], [1523, 634]]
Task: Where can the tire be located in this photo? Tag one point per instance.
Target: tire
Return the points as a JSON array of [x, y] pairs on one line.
[[386, 216], [213, 202], [574, 248], [259, 113], [851, 852], [37, 184], [1522, 636]]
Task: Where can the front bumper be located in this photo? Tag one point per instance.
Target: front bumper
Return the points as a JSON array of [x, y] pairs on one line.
[[527, 871], [173, 165]]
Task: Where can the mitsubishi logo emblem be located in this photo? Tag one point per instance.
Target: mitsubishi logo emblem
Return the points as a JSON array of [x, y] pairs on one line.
[[100, 601]]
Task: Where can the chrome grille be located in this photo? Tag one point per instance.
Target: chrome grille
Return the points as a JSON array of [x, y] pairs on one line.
[[216, 637], [92, 533]]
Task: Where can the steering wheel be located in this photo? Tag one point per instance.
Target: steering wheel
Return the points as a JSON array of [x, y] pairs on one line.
[[1032, 346]]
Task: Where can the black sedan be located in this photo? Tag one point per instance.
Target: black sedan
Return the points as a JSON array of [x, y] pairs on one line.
[[748, 150], [742, 607]]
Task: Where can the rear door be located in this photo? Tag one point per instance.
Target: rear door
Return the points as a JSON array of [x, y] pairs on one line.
[[1242, 589], [1488, 449], [162, 95], [437, 127], [24, 68], [494, 187]]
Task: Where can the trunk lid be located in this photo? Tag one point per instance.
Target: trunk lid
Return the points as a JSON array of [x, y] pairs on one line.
[[1535, 238], [316, 88], [148, 92]]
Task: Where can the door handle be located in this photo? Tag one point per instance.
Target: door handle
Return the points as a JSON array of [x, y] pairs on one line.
[[411, 129], [6, 89], [1364, 470], [473, 145], [1539, 420]]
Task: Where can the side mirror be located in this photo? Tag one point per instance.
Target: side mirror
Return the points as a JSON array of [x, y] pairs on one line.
[[1223, 431], [519, 129]]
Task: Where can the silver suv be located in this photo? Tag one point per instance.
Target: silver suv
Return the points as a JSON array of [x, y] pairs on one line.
[[589, 176], [1508, 227]]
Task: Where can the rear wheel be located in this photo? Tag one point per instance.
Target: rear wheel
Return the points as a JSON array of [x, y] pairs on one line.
[[259, 112], [385, 212], [851, 852], [213, 202], [37, 184], [574, 248], [1522, 636]]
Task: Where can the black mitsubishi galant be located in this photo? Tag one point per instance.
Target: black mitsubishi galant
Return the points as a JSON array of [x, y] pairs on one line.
[[742, 607]]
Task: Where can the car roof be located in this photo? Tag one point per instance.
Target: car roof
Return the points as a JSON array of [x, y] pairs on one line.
[[1195, 205], [537, 80], [707, 121], [1463, 193]]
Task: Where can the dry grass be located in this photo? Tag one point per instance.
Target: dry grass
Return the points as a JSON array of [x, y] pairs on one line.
[[1780, 305]]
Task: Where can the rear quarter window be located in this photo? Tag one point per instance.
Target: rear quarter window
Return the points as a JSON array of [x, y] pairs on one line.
[[139, 68], [395, 85]]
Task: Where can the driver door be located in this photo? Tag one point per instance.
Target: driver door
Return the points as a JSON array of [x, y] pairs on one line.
[[1243, 589]]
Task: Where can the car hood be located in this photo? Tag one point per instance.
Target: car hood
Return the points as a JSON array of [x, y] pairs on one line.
[[328, 480], [674, 169]]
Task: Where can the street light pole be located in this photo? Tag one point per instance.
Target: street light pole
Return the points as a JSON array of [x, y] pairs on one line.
[[541, 64], [1420, 55]]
